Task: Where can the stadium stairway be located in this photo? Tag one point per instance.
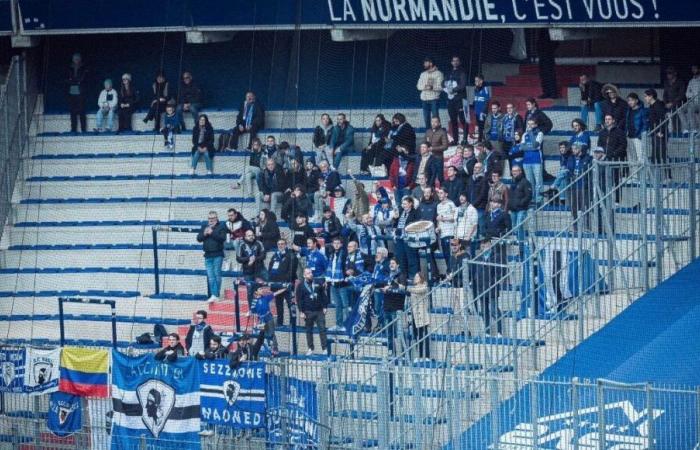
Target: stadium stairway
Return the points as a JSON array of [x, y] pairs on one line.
[[81, 226]]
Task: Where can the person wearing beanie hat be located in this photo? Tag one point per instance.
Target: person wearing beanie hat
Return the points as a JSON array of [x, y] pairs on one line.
[[107, 104], [128, 99]]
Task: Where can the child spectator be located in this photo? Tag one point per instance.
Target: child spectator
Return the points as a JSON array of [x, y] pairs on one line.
[[203, 144], [456, 160], [161, 95], [262, 297], [107, 104], [128, 99], [171, 125], [171, 352]]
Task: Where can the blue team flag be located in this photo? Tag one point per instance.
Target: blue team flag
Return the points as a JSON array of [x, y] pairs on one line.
[[362, 308], [155, 399], [12, 367], [233, 397], [65, 414]]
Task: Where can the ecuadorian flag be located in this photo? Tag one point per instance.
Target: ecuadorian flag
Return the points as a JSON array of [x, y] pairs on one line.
[[85, 372]]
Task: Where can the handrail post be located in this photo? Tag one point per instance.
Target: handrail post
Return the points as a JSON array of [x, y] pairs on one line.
[[156, 269], [61, 327], [691, 199]]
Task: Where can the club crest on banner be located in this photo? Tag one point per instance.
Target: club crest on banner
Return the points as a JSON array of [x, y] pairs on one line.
[[8, 373], [63, 414], [42, 371], [231, 391], [157, 400]]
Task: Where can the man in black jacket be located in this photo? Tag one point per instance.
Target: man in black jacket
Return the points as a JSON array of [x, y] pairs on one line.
[[519, 198], [250, 119], [76, 93], [658, 134], [212, 235], [312, 301], [189, 98], [453, 185], [283, 269], [199, 334], [591, 98], [401, 136], [456, 88], [251, 257], [406, 255], [613, 140], [613, 105], [271, 186], [478, 193], [245, 351]]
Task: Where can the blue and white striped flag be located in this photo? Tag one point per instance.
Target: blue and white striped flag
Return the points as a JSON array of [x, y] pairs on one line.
[[156, 400], [233, 397]]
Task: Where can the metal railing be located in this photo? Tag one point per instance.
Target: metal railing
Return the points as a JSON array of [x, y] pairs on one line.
[[17, 101], [571, 413]]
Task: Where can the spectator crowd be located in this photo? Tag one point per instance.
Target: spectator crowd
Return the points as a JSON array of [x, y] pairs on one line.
[[443, 195]]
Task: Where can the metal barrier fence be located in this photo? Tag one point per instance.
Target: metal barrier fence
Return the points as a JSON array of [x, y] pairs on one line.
[[565, 414], [17, 101], [522, 303]]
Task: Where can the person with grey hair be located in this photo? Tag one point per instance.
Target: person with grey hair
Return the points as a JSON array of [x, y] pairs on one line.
[[212, 235], [107, 104], [271, 187]]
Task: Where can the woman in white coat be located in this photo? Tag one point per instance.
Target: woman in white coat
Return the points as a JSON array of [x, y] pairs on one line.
[[419, 308]]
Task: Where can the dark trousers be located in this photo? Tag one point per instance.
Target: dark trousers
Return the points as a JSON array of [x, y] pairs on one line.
[[318, 318], [423, 344], [490, 311], [659, 152], [125, 119], [407, 257], [76, 105], [279, 303], [236, 134], [581, 201], [154, 113], [480, 123], [455, 110], [371, 156]]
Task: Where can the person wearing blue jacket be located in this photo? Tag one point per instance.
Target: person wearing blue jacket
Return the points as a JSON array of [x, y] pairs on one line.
[[581, 189], [342, 140], [636, 124], [563, 175], [482, 96], [531, 147], [260, 306], [315, 259]]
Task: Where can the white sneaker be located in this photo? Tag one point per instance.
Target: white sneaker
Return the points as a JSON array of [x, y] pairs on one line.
[[309, 352], [209, 172], [341, 330], [191, 171], [213, 299]]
